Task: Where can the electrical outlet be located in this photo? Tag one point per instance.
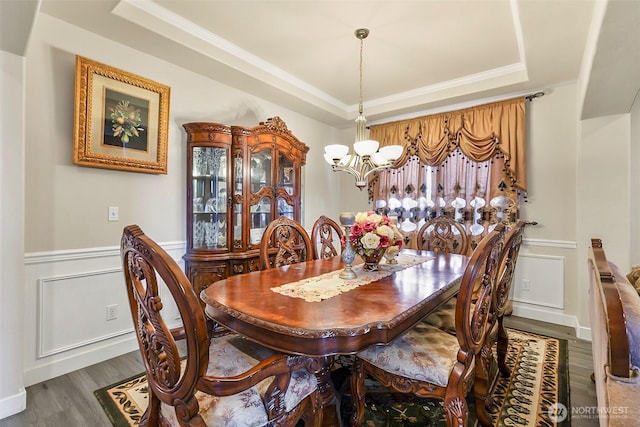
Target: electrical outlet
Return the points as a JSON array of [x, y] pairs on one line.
[[113, 213], [112, 311], [526, 285]]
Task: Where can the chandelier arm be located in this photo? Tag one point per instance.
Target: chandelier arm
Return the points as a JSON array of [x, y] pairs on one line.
[[374, 169], [355, 172]]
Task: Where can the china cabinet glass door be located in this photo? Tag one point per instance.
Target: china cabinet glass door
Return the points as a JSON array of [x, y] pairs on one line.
[[261, 184], [286, 182], [237, 197], [209, 197]]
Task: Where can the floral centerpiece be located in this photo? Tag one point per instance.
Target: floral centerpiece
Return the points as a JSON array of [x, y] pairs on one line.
[[373, 234]]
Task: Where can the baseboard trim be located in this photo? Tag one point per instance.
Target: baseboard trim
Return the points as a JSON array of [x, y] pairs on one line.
[[13, 404], [91, 356], [550, 315], [583, 333]]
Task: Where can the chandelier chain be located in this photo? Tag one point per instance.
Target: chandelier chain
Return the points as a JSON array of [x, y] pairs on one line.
[[360, 104]]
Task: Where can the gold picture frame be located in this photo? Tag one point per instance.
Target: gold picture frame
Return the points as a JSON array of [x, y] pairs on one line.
[[120, 119]]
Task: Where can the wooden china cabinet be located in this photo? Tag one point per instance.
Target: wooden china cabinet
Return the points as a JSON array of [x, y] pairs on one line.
[[238, 180]]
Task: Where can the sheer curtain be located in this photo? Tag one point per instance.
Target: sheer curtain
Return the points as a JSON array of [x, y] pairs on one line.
[[468, 164]]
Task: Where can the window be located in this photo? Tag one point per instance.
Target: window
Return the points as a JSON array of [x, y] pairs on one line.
[[468, 165]]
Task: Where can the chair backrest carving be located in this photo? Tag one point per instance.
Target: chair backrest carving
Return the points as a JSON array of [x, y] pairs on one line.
[[443, 234], [512, 243], [477, 289], [324, 234], [143, 261], [284, 242]]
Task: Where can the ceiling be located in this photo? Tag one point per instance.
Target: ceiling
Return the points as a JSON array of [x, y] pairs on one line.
[[420, 57]]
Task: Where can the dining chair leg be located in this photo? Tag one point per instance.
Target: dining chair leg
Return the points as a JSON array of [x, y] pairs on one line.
[[313, 417], [357, 393], [502, 347], [482, 384], [456, 409], [150, 416]]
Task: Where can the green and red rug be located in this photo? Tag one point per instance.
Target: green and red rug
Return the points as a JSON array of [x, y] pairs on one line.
[[539, 384]]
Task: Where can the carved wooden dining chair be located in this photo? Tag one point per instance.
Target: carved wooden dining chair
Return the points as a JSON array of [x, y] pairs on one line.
[[443, 234], [497, 333], [326, 237], [221, 381], [284, 242], [444, 318], [429, 362]]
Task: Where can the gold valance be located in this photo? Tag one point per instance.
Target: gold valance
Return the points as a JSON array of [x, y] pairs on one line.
[[480, 132]]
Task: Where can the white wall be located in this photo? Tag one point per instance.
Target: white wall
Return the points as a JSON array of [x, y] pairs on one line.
[[603, 194], [12, 393], [545, 281]]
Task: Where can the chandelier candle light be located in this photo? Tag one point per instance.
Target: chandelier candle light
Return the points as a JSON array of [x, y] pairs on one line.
[[366, 157]]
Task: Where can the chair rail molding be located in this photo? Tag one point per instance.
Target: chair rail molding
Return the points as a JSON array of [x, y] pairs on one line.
[[564, 244], [87, 253]]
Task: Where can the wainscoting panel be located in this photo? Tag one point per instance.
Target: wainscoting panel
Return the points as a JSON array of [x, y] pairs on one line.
[[61, 329], [539, 281], [69, 297]]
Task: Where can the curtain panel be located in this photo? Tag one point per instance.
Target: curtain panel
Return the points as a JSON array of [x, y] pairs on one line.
[[467, 164], [480, 133]]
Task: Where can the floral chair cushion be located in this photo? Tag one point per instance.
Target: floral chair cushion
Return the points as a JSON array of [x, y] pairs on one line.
[[425, 353], [444, 317], [232, 355]]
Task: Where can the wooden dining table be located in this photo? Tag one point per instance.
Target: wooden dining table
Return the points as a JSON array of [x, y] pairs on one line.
[[371, 314]]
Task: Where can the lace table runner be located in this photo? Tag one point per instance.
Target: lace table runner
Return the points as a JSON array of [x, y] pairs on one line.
[[325, 286]]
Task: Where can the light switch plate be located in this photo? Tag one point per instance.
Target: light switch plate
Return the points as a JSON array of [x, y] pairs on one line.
[[113, 213]]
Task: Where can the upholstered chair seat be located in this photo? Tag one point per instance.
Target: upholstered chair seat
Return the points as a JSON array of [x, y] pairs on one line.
[[444, 317], [406, 356], [234, 355]]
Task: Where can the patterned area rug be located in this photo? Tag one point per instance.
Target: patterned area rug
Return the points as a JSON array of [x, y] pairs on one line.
[[538, 385]]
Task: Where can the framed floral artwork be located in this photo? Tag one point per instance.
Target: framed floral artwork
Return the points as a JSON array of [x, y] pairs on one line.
[[120, 119]]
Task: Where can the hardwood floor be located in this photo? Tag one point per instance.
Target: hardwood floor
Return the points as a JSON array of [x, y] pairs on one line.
[[68, 400]]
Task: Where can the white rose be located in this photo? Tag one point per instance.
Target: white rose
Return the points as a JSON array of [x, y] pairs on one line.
[[370, 241], [361, 217], [385, 230], [375, 218], [392, 251]]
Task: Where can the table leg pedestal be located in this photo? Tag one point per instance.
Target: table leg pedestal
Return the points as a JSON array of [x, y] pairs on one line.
[[322, 371]]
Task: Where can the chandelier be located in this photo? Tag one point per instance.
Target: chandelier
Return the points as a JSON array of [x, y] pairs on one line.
[[365, 158]]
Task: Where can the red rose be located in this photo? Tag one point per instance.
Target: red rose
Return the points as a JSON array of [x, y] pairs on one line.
[[369, 226], [356, 230]]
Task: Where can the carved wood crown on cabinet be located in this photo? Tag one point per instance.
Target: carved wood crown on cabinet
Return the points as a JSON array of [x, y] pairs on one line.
[[238, 180]]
